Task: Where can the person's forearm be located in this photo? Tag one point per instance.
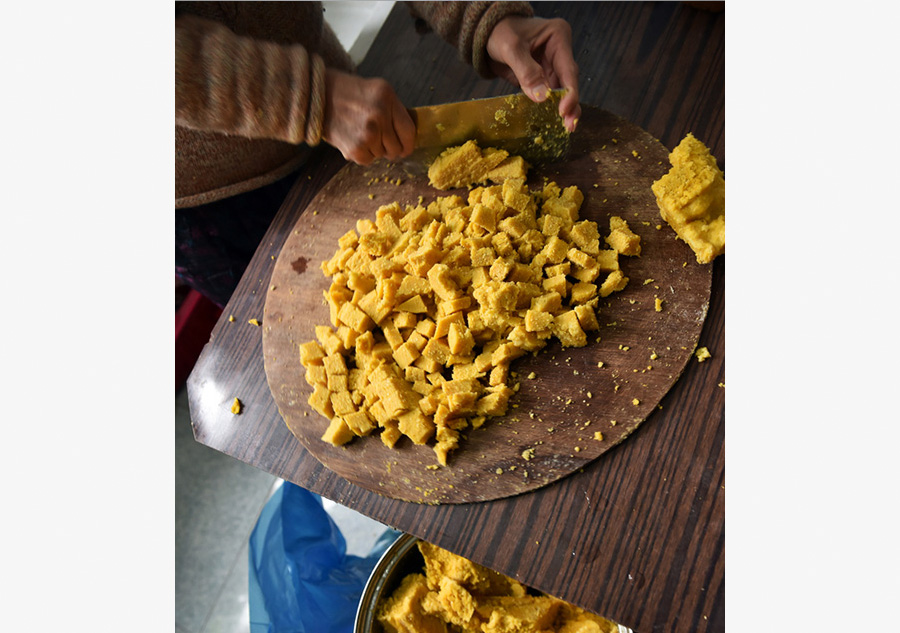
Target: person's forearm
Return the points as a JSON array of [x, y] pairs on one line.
[[241, 86], [468, 25]]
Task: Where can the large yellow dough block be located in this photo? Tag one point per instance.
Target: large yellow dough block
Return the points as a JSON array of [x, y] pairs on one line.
[[468, 164], [691, 199]]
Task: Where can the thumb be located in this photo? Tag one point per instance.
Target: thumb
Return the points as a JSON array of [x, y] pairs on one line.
[[529, 74]]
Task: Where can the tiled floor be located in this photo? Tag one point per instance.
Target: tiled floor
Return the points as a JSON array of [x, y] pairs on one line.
[[217, 498]]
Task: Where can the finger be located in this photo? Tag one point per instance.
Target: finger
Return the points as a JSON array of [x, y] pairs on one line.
[[565, 72], [569, 106], [359, 154], [405, 129], [390, 143], [571, 118], [529, 73]]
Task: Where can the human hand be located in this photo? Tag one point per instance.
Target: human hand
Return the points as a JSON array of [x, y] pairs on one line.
[[536, 54], [365, 120]]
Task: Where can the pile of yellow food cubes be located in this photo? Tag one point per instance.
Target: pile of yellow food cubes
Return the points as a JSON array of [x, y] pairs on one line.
[[429, 306], [455, 594]]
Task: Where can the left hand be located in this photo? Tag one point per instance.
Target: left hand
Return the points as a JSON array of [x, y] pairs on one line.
[[536, 54]]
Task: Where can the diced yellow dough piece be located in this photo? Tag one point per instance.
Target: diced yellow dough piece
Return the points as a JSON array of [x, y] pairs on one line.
[[338, 433], [442, 282], [585, 234], [405, 320], [342, 403], [460, 339], [320, 400], [580, 258], [466, 371], [414, 425], [587, 318], [516, 195], [537, 321], [555, 249], [414, 304], [568, 330], [406, 354], [337, 382], [691, 199], [566, 206], [330, 341], [311, 353], [607, 260], [315, 374], [556, 284], [403, 613], [614, 282], [396, 396], [453, 306], [348, 336], [391, 433], [355, 318], [582, 292], [417, 340], [334, 364], [622, 239], [437, 350], [360, 423], [512, 167], [506, 353]]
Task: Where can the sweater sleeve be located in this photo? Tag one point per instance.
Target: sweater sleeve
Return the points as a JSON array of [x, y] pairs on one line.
[[241, 86], [467, 26]]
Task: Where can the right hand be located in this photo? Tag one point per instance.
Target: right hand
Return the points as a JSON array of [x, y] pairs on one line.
[[365, 119], [536, 54]]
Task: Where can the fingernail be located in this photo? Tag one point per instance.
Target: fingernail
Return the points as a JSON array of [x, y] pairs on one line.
[[541, 93]]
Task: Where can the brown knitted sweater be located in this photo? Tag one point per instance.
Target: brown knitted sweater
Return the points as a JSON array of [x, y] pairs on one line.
[[249, 84]]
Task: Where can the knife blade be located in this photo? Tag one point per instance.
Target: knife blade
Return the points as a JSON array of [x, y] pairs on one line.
[[514, 123]]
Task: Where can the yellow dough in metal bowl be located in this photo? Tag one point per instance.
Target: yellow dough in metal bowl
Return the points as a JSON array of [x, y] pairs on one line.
[[455, 594], [691, 198]]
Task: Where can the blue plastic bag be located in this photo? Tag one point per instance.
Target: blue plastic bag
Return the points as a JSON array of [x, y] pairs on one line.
[[301, 578]]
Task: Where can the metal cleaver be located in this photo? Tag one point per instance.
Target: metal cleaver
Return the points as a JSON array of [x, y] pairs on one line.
[[514, 123]]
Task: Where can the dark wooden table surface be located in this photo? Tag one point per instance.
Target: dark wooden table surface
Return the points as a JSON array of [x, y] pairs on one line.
[[638, 535]]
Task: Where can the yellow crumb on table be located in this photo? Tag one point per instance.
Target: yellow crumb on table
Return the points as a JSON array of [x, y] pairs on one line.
[[237, 406], [702, 354], [691, 199], [254, 322]]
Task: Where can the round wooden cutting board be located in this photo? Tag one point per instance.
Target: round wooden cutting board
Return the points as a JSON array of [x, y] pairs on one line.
[[610, 386]]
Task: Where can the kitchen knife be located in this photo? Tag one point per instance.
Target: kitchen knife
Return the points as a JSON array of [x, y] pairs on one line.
[[514, 123]]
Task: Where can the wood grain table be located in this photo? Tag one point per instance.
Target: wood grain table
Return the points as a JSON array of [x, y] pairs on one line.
[[636, 535]]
